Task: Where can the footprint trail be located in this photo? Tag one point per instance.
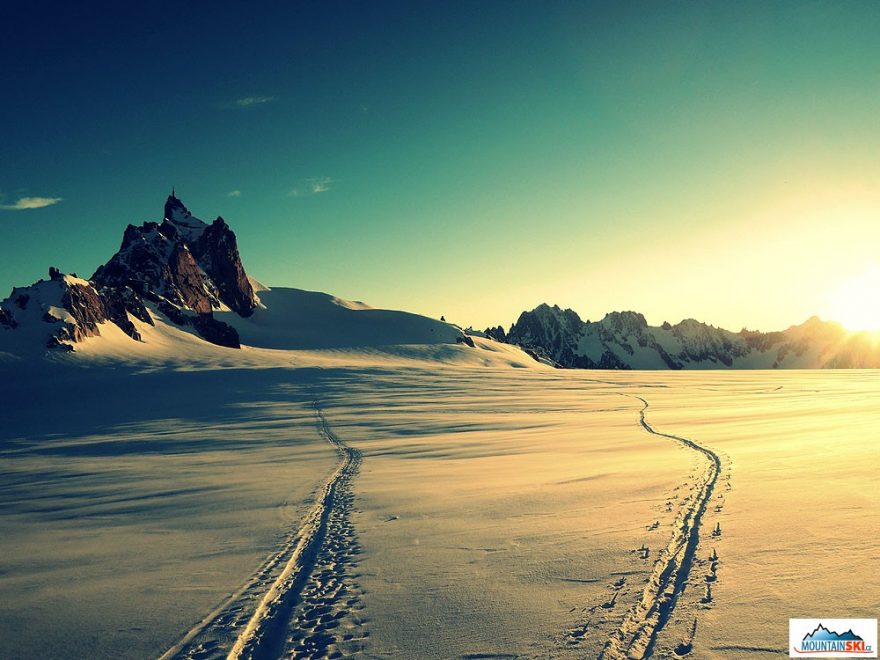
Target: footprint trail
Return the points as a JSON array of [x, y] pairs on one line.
[[637, 633], [307, 603]]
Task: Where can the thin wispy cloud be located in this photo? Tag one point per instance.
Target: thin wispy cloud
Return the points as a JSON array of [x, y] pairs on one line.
[[249, 101], [234, 193], [27, 203], [312, 186], [320, 184]]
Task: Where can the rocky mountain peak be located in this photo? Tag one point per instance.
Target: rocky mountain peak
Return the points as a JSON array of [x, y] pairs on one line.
[[185, 268], [816, 328], [625, 322], [183, 261], [178, 217], [544, 322], [175, 209], [815, 324]]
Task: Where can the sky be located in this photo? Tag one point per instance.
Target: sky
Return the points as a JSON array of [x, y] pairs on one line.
[[712, 160]]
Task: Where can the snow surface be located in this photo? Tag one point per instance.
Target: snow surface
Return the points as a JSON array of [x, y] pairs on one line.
[[296, 319], [497, 511], [73, 279], [291, 320]]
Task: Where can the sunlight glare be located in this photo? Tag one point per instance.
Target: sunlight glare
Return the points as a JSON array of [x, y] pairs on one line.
[[855, 303]]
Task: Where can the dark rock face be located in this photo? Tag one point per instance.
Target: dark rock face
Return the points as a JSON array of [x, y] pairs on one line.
[[216, 332], [497, 334], [631, 323], [761, 341], [184, 261], [6, 319], [465, 339], [140, 263], [540, 356], [608, 361], [216, 250], [153, 264], [187, 281], [126, 298], [208, 328], [89, 307], [174, 314], [550, 332], [86, 307], [184, 266], [56, 342], [119, 303]]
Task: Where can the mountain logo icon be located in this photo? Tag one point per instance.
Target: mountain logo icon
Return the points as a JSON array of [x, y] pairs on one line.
[[824, 639], [821, 632]]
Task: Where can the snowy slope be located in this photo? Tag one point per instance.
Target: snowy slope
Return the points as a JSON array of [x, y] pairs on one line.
[[179, 284], [296, 319], [332, 335], [497, 513]]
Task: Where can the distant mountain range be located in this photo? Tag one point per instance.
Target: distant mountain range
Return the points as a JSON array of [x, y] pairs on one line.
[[821, 633], [186, 274], [624, 340]]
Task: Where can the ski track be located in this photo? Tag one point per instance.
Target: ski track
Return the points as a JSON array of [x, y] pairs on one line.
[[307, 603], [637, 633]]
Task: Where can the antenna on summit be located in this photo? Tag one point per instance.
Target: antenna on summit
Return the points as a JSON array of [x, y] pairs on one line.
[[172, 193]]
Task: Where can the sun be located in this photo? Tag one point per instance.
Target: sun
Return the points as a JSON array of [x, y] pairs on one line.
[[855, 303]]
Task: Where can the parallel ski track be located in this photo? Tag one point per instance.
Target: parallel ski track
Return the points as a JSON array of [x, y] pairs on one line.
[[637, 634], [264, 636]]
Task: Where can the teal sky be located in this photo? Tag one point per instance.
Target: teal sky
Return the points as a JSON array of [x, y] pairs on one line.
[[711, 160]]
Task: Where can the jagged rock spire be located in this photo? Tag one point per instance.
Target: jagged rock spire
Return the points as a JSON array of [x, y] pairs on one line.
[[174, 208], [189, 263], [181, 267]]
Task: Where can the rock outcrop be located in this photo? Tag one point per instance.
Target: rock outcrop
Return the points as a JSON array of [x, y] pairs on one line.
[[67, 307], [216, 252], [6, 319], [182, 260], [496, 333], [182, 266]]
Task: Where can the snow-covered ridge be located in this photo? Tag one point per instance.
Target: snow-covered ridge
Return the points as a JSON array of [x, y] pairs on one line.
[[294, 319], [181, 280], [63, 310], [624, 340]]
